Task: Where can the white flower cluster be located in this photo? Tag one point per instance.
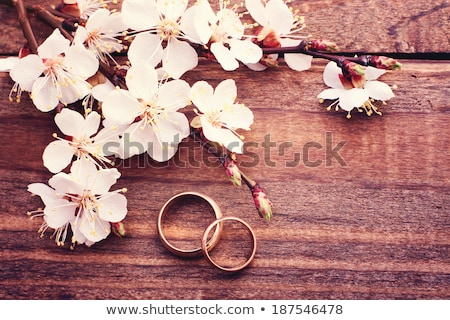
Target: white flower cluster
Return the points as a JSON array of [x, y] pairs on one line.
[[163, 40]]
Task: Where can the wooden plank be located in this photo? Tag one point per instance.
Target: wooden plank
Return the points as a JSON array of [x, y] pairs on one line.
[[375, 26], [373, 227]]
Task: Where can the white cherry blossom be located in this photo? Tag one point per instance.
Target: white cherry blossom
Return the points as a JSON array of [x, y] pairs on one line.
[[57, 73], [219, 115], [280, 23], [101, 33], [149, 112], [88, 7], [82, 201], [83, 140], [223, 32], [161, 22], [349, 97]]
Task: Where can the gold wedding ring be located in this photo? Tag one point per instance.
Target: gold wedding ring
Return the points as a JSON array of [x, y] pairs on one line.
[[208, 245], [206, 248]]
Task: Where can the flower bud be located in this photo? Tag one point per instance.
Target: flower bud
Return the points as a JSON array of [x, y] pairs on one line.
[[24, 51], [118, 228], [323, 45], [69, 7], [262, 202], [268, 38], [355, 73], [386, 63], [269, 61], [232, 171]]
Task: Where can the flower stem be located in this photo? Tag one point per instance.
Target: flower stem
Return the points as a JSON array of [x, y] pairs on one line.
[[262, 203], [25, 24], [302, 47]]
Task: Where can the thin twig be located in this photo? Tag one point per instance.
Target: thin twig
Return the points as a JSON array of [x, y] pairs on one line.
[[25, 24]]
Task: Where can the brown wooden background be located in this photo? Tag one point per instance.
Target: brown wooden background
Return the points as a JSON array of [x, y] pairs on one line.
[[377, 228]]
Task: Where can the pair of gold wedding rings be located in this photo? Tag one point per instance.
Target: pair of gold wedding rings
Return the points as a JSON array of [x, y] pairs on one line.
[[207, 242]]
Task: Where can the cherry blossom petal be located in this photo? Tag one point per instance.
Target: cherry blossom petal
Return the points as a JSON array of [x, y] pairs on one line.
[[142, 81], [73, 124], [84, 173], [100, 91], [372, 73], [245, 51], [187, 25], [104, 20], [280, 17], [78, 236], [7, 63], [353, 98], [113, 23], [140, 14], [42, 190], [95, 229], [224, 56], [145, 48], [239, 116], [296, 61], [224, 136], [173, 95], [135, 139], [54, 45], [103, 180], [74, 91], [178, 58], [172, 128], [158, 150], [64, 183], [112, 208], [26, 70], [57, 155], [331, 94], [202, 96], [331, 75], [97, 19], [81, 35], [257, 11], [44, 94], [256, 66], [120, 107], [106, 141], [379, 90], [201, 22], [229, 21], [225, 93], [80, 61], [59, 212], [172, 10], [206, 10]]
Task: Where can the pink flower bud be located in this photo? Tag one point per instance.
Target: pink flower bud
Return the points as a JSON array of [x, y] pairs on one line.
[[262, 202], [323, 45], [232, 171], [268, 38], [386, 63], [355, 73], [118, 228]]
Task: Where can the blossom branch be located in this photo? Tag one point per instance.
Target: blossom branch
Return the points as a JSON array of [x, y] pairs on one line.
[[25, 24], [363, 60], [228, 160]]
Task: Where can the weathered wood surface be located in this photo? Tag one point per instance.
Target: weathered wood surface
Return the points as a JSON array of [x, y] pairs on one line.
[[377, 227], [369, 26]]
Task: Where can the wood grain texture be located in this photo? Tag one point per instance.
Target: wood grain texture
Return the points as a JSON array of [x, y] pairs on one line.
[[374, 226], [375, 26]]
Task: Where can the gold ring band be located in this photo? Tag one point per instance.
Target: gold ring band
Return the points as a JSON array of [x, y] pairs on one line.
[[196, 252], [206, 248]]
